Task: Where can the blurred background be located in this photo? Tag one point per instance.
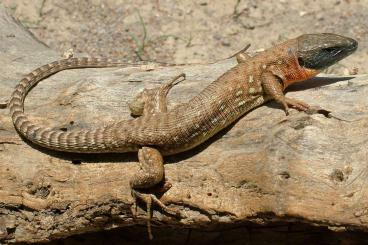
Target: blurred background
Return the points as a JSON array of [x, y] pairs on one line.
[[189, 31]]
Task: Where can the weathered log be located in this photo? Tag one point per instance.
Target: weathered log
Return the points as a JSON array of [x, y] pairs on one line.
[[267, 167]]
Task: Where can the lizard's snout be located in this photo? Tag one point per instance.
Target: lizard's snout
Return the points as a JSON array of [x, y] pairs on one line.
[[352, 44]]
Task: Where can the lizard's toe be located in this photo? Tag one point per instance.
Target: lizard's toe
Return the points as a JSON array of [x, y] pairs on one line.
[[297, 104]]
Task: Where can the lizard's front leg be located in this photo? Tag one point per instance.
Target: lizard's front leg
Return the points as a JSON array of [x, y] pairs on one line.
[[272, 87]]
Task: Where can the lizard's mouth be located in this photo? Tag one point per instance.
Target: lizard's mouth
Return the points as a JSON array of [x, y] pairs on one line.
[[319, 51]]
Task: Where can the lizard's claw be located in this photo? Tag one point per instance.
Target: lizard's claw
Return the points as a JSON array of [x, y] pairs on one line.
[[286, 107], [149, 199], [176, 80]]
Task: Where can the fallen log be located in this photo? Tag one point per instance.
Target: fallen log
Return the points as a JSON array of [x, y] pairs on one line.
[[309, 168]]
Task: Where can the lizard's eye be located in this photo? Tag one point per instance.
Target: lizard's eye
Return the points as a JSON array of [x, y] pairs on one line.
[[329, 49]]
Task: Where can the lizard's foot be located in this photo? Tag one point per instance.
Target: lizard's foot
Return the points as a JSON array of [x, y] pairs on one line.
[[242, 56], [150, 180], [136, 105], [294, 103], [272, 87], [150, 199], [176, 80], [153, 100], [297, 104]]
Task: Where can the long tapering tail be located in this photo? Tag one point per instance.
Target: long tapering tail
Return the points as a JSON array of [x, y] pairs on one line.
[[94, 140]]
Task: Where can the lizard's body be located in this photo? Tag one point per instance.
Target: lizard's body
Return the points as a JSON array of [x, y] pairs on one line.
[[159, 131], [185, 126]]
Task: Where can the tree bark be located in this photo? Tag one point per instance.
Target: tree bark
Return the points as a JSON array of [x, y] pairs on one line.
[[267, 167]]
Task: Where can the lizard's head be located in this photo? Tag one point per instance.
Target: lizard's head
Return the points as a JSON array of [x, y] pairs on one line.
[[319, 51]]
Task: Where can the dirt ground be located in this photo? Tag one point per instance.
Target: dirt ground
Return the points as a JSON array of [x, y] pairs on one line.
[[189, 31]]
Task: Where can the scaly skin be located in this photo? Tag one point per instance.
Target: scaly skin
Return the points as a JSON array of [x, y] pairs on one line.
[[226, 99], [158, 132]]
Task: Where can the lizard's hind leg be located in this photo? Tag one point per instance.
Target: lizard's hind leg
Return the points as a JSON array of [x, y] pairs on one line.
[[151, 101], [150, 178], [241, 56]]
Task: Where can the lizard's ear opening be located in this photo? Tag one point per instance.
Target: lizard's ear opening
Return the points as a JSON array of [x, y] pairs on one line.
[[319, 51], [301, 61]]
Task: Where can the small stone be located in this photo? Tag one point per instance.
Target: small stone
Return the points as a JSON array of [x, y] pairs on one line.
[[302, 13]]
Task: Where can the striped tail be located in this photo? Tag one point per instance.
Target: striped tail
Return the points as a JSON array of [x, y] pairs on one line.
[[91, 141]]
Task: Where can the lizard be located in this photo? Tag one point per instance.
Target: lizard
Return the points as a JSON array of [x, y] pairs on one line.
[[158, 131]]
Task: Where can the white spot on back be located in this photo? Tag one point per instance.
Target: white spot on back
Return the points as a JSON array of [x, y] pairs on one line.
[[251, 79], [215, 120], [241, 103], [252, 90], [194, 134]]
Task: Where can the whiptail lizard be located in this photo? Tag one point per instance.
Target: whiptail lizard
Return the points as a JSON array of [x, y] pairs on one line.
[[159, 131]]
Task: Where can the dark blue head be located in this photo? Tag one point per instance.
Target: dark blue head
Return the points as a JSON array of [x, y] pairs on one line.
[[319, 51]]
